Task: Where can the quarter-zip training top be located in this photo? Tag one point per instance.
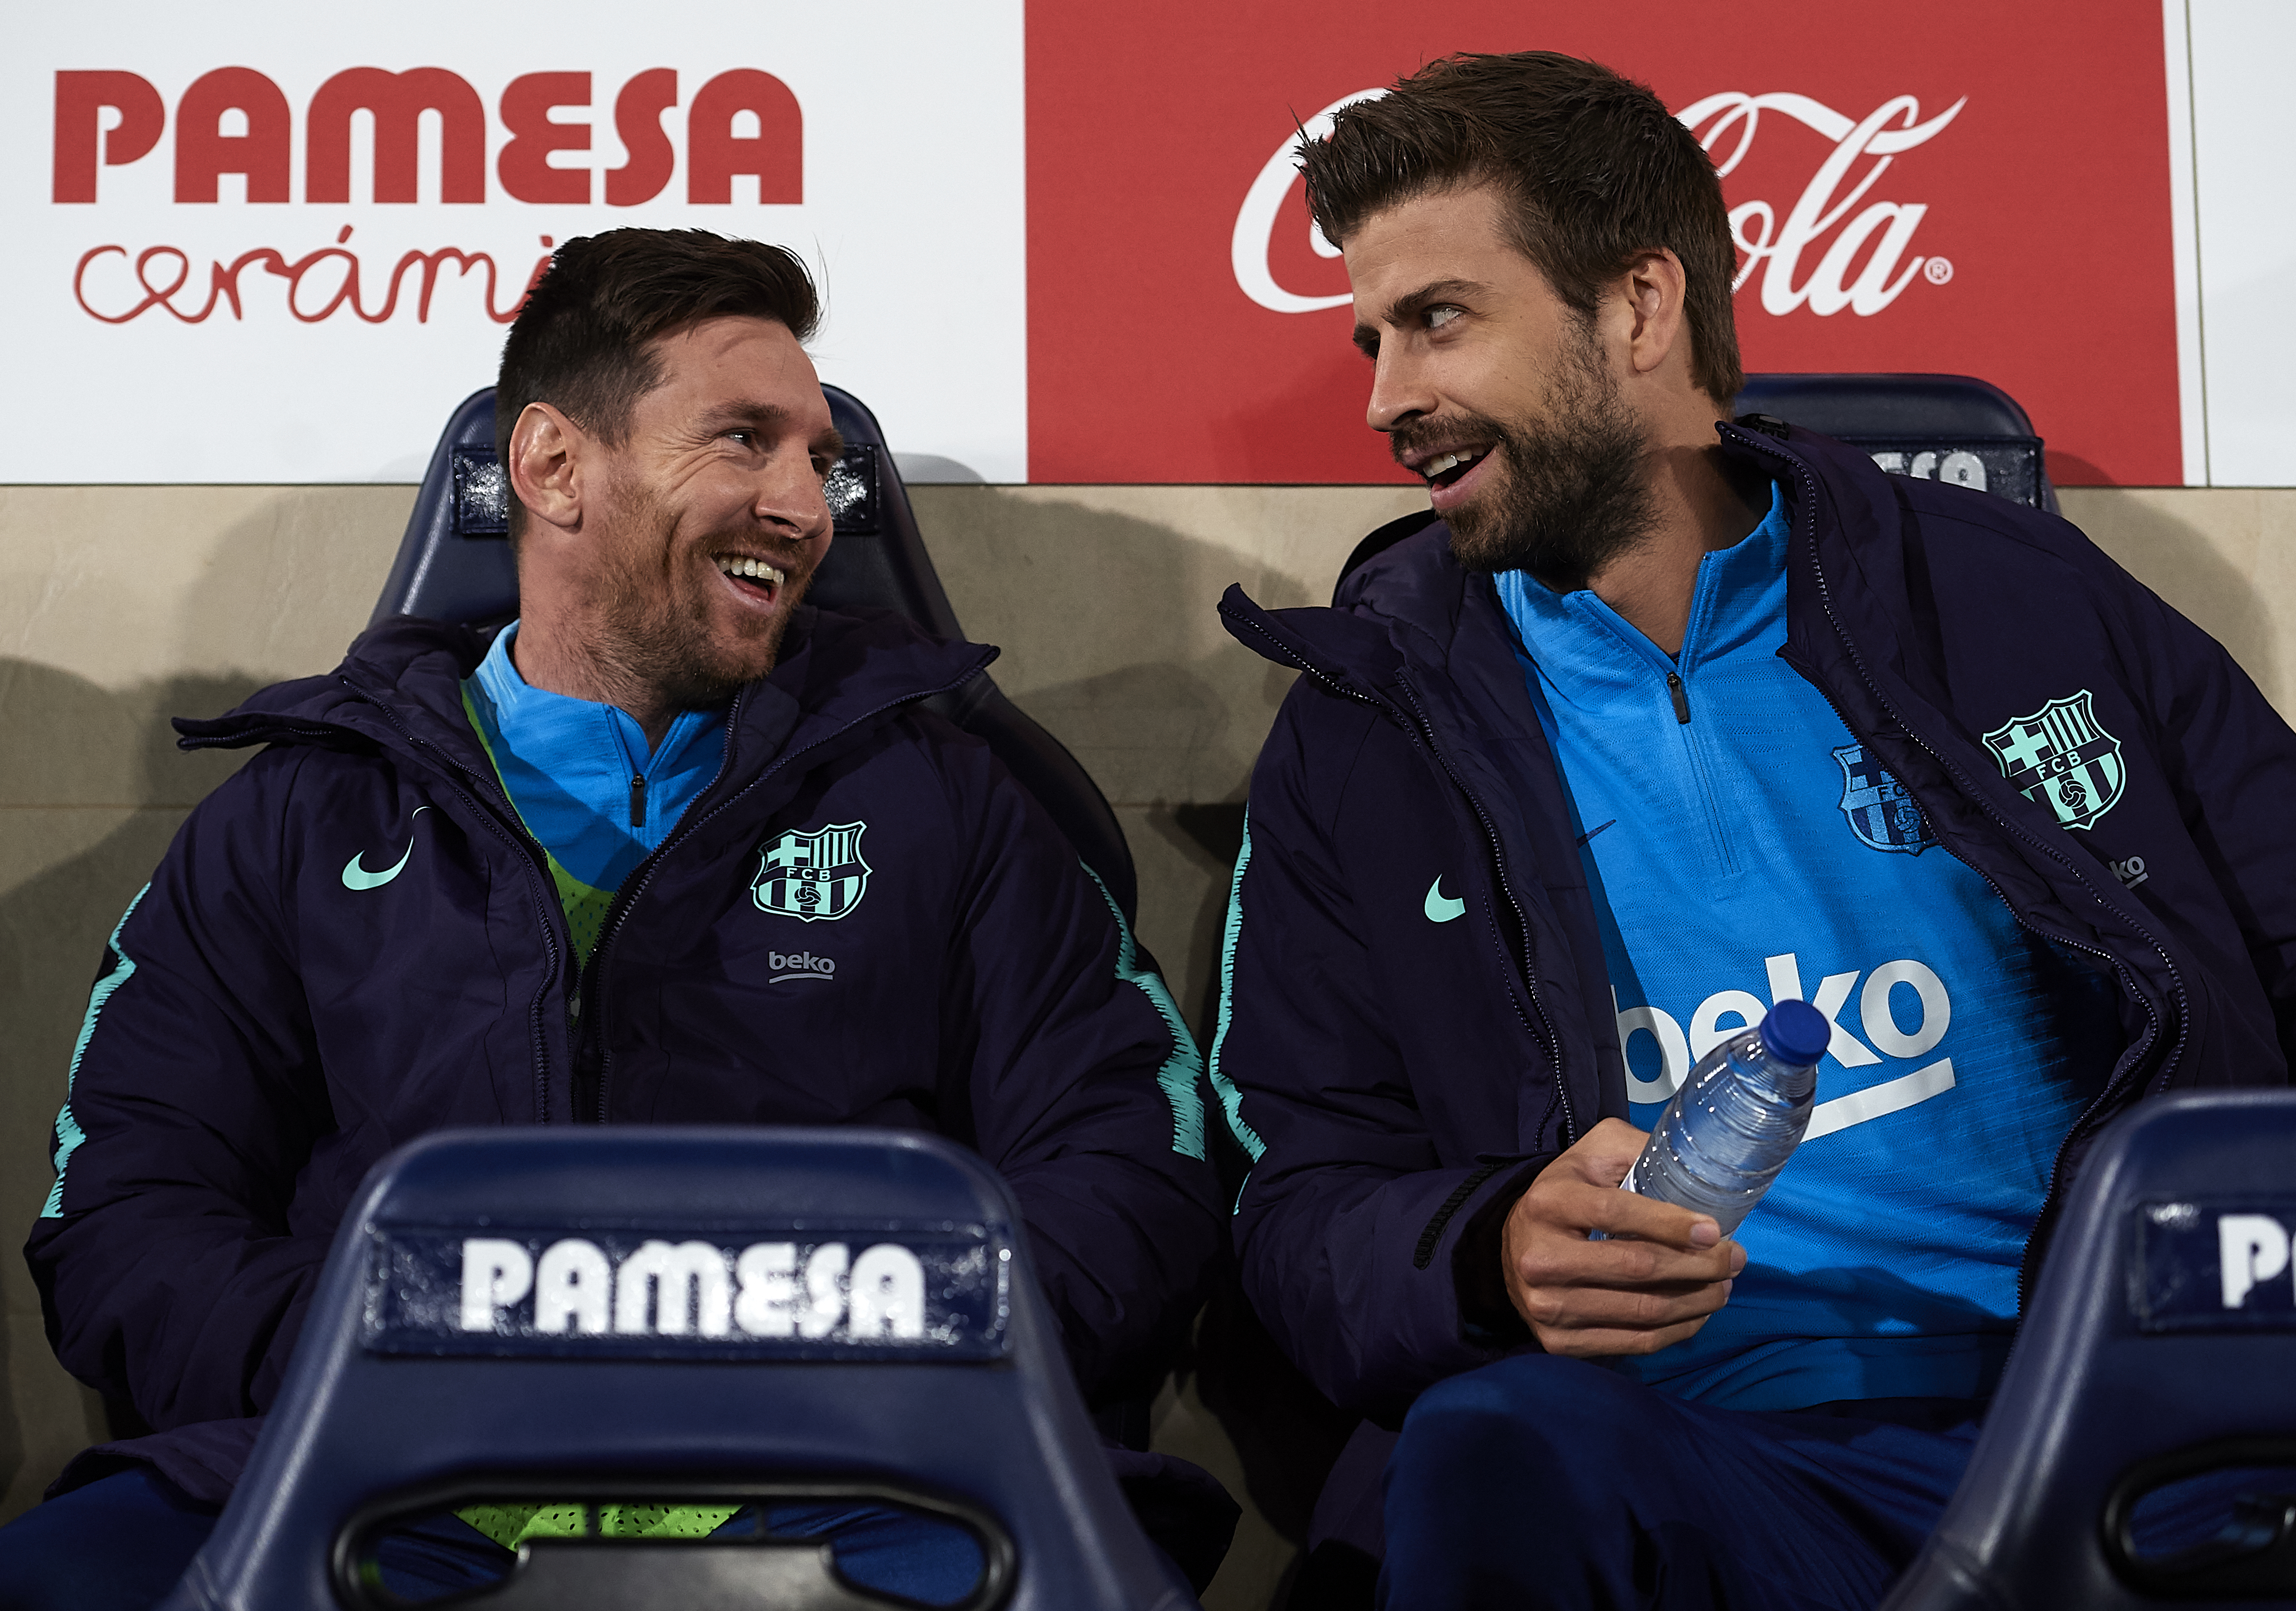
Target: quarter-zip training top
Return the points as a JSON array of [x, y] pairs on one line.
[[1741, 849], [584, 782]]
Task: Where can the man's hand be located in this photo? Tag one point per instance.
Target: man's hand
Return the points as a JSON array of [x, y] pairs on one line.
[[1590, 1299]]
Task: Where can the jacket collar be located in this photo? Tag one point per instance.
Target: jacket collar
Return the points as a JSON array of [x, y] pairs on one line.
[[399, 690], [1416, 599]]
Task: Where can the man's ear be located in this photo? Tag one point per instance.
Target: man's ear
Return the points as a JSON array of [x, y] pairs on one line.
[[547, 465], [1651, 293]]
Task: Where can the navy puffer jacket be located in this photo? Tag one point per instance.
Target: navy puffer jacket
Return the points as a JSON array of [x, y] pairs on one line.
[[275, 1014], [1401, 1081]]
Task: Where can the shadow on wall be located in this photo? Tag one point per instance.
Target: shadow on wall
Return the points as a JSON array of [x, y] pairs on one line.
[[1112, 641], [94, 790], [91, 858], [2182, 563]]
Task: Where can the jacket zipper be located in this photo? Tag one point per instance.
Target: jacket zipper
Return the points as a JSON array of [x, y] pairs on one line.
[[636, 885], [1678, 692], [545, 902], [1422, 734], [2018, 830], [637, 773]]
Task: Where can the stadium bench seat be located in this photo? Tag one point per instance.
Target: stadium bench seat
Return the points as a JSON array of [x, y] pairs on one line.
[[1931, 427], [685, 1316], [2141, 1447]]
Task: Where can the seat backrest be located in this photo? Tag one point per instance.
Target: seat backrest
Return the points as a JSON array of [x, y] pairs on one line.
[[2159, 1343], [580, 1315], [455, 564], [1932, 427]]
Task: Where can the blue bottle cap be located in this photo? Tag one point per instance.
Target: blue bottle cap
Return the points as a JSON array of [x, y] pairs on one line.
[[1795, 1032]]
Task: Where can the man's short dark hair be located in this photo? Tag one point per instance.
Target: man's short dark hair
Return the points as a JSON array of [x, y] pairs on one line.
[[580, 341], [1595, 167]]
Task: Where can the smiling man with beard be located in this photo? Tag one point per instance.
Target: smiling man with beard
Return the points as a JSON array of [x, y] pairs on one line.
[[1648, 727], [557, 877]]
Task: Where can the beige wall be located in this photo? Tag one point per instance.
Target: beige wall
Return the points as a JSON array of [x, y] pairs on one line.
[[120, 606]]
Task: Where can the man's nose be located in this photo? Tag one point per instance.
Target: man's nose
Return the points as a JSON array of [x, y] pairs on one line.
[[790, 498], [1399, 388]]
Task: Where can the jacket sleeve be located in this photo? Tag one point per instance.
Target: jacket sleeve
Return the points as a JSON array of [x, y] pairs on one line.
[[1349, 1227], [2235, 770], [1085, 1089], [166, 1270]]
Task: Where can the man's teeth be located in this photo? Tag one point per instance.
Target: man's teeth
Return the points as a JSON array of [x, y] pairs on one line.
[[754, 570], [1442, 462]]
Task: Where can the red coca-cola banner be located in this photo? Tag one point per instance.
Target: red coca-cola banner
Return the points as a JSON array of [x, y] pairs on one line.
[[1972, 188]]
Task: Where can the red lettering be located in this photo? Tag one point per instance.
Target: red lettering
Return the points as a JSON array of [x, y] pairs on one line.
[[80, 101], [637, 120], [524, 166], [714, 154], [224, 282], [203, 152], [397, 101], [224, 286], [464, 262]]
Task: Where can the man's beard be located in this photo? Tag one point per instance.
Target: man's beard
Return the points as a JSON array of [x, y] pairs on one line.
[[656, 621], [1571, 493]]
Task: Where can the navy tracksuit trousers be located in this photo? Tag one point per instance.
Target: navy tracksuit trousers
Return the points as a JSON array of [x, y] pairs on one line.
[[1541, 1481]]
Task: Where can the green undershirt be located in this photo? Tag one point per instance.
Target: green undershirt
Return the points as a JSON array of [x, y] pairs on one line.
[[585, 905], [511, 1525]]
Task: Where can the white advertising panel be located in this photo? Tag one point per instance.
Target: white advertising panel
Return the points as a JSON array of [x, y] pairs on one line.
[[260, 243], [2244, 53]]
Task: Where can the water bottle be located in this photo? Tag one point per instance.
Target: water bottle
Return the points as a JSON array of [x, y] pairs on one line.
[[1737, 1118]]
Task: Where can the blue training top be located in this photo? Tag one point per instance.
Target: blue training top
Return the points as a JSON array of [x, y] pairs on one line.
[[571, 767], [1743, 848]]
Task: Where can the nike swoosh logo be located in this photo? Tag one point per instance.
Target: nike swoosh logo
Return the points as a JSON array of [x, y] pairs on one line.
[[357, 877], [1439, 908], [1590, 832]]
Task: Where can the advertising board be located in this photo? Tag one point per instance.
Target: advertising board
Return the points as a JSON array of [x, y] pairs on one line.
[[1985, 191], [250, 245], [1064, 243]]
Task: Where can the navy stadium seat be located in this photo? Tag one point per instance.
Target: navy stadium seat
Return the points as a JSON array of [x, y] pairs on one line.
[[455, 564], [2159, 1347], [1932, 427], [679, 1315]]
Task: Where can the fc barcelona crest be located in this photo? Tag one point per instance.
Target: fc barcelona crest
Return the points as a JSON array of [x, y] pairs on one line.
[[2060, 758], [817, 877], [1880, 813]]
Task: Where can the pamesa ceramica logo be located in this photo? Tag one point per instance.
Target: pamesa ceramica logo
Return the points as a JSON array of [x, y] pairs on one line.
[[235, 138]]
